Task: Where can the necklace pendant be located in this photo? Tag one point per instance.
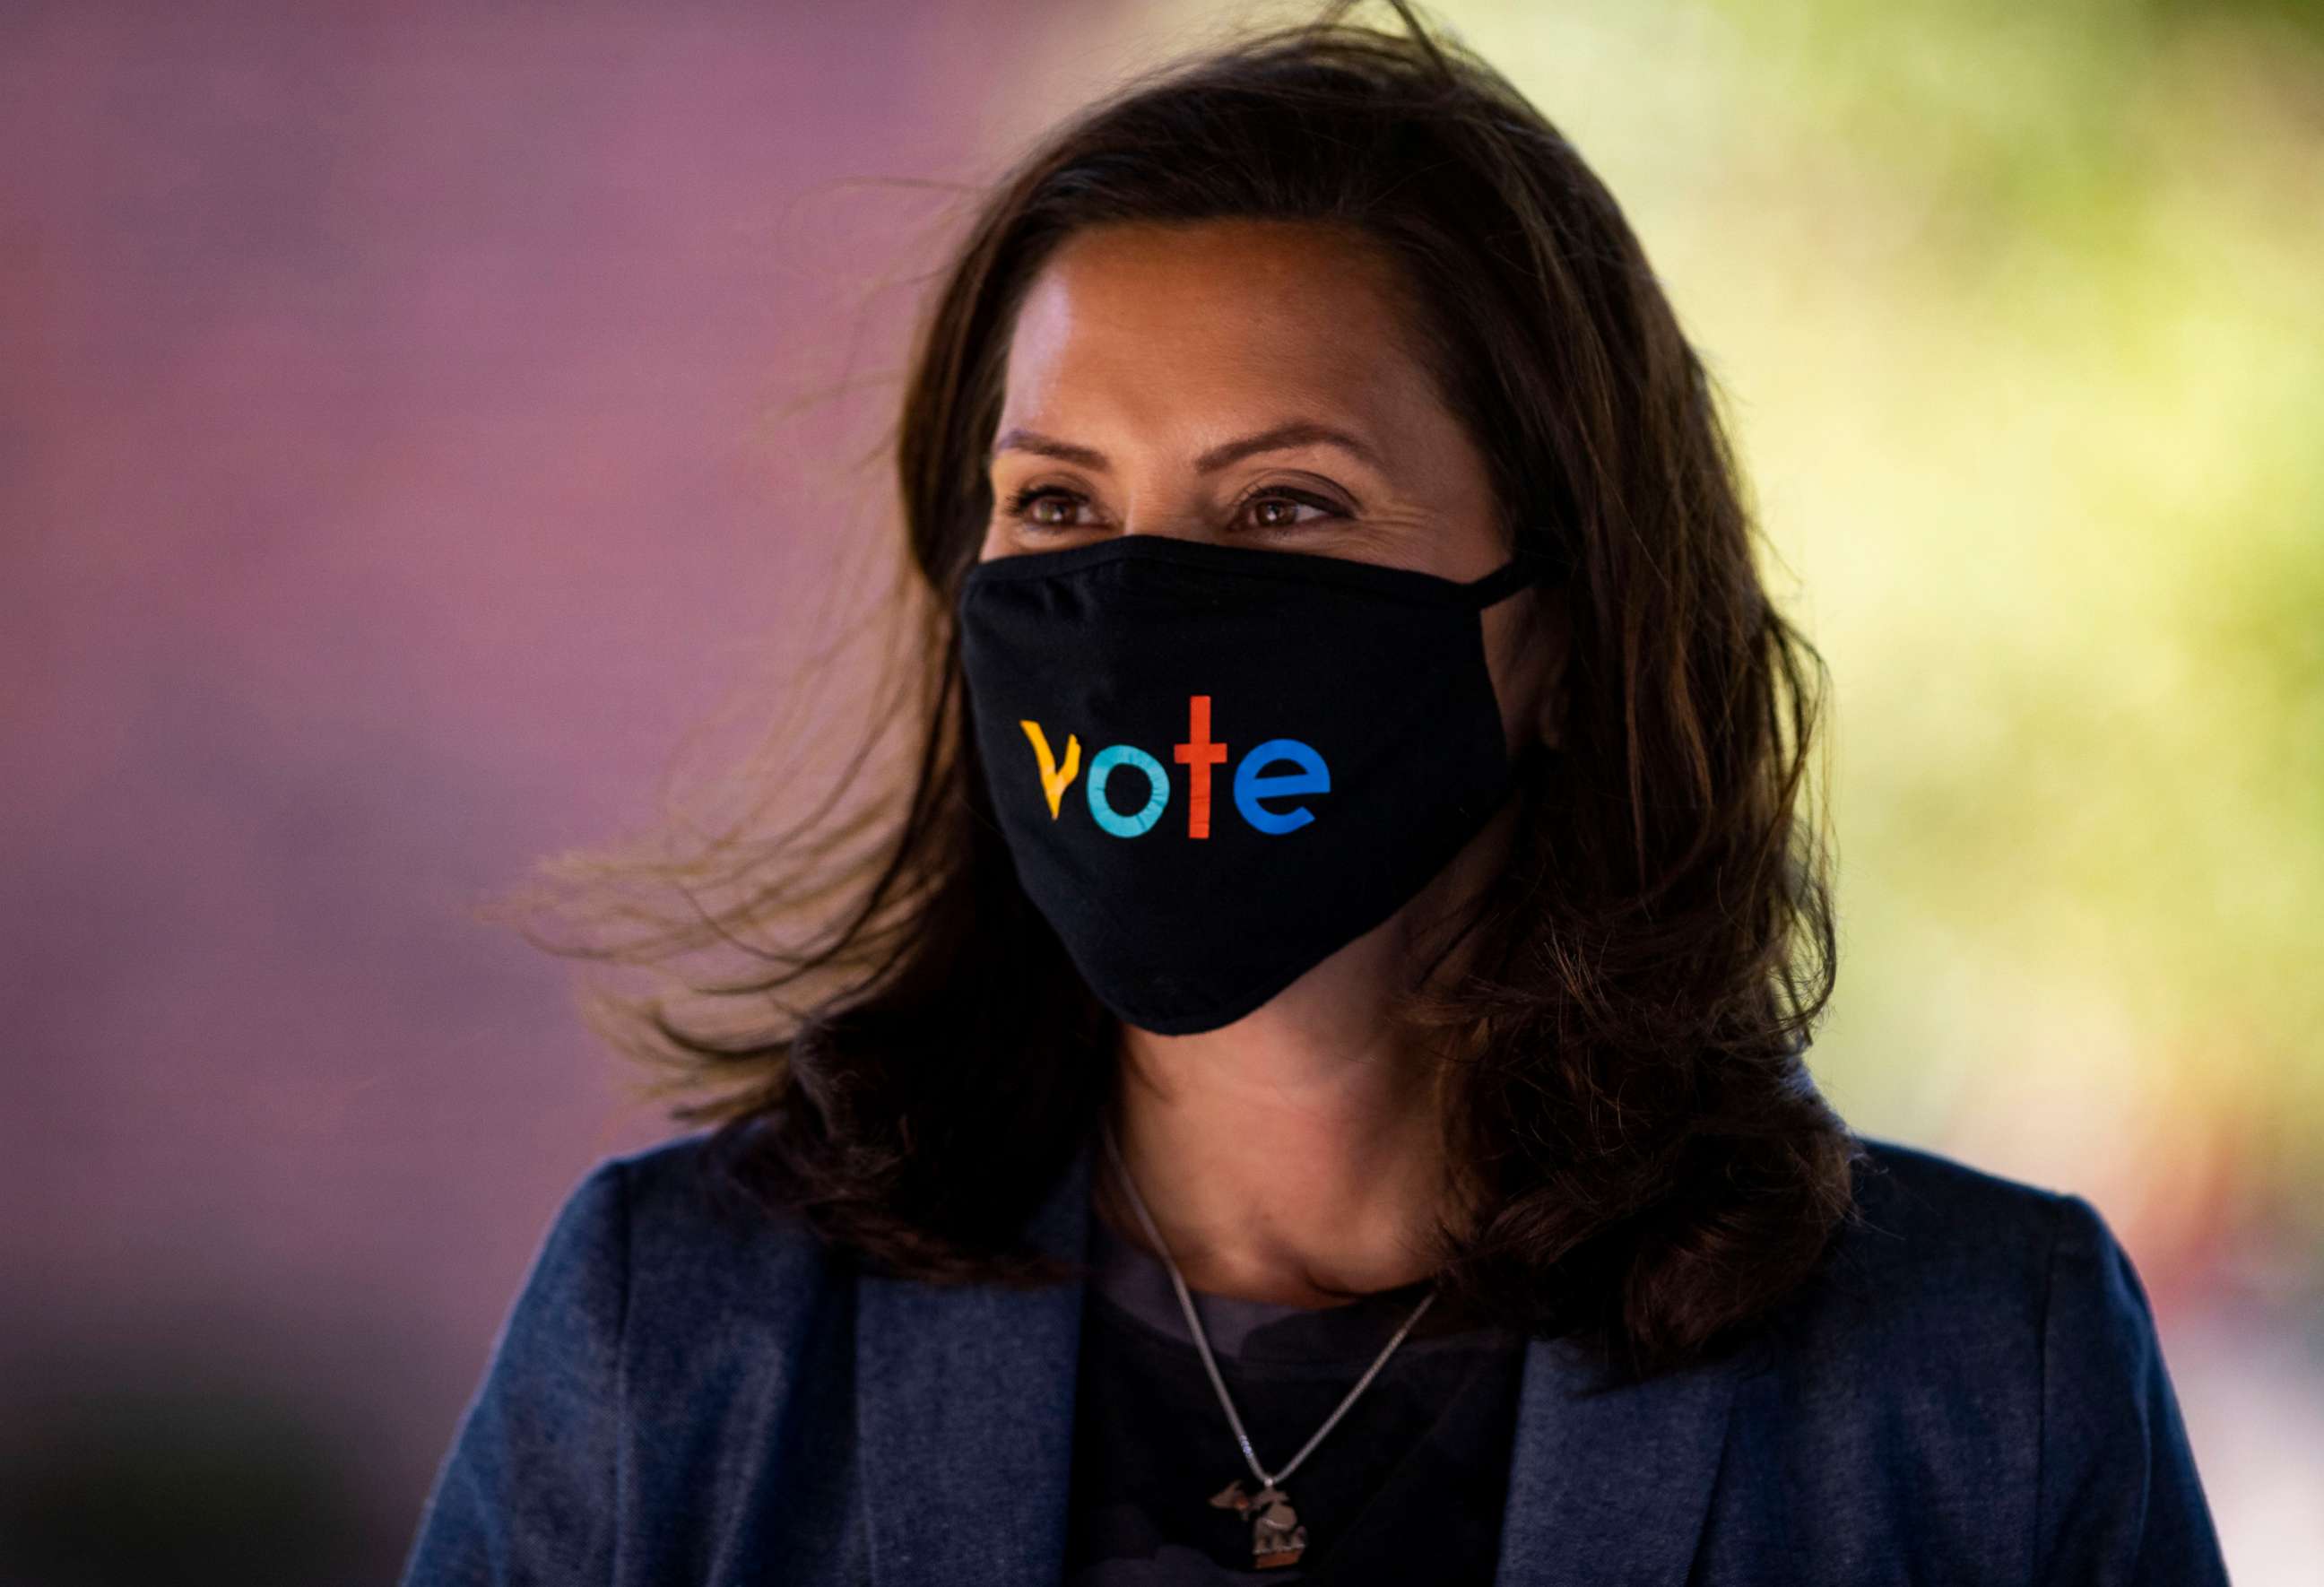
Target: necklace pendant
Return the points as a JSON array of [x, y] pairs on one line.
[[1276, 1537]]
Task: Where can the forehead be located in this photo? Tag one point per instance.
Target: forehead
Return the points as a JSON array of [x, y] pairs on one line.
[[1143, 316]]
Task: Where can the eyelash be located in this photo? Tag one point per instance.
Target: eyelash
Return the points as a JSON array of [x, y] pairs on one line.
[[1021, 500]]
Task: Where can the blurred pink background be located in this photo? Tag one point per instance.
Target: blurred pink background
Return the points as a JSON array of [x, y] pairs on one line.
[[409, 417], [383, 480]]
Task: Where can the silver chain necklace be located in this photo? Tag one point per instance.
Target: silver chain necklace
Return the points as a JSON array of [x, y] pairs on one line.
[[1276, 1535]]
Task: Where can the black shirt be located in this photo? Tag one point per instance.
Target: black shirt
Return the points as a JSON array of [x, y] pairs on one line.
[[1406, 1488]]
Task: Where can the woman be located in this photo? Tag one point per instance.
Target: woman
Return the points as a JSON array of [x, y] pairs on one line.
[[1308, 1082]]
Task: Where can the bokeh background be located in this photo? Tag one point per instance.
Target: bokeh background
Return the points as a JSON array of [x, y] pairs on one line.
[[419, 422]]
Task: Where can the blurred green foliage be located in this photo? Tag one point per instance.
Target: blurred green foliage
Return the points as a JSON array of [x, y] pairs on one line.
[[2017, 312], [2019, 315]]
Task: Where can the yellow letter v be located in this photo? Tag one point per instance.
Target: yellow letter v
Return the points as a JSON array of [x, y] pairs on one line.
[[1054, 782]]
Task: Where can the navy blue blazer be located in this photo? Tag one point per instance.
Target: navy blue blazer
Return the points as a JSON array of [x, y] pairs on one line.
[[1970, 1393]]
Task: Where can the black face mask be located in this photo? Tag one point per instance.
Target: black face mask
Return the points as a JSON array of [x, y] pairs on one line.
[[1216, 765]]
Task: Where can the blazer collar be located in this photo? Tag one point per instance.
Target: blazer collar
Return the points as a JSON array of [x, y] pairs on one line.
[[965, 1405]]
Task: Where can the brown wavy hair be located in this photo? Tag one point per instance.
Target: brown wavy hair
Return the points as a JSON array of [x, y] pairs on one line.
[[1651, 1165]]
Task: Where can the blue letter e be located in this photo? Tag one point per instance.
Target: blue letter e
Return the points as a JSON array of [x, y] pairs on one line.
[[1251, 786]]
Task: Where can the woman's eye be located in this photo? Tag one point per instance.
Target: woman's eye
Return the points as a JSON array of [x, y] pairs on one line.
[[1053, 508], [1279, 508], [1030, 506]]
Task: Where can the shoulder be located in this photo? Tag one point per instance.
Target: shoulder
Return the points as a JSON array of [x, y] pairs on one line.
[[1990, 1338], [659, 1278], [655, 1306], [1936, 1223], [688, 1233], [1964, 1242], [658, 1237], [1969, 1247], [1931, 1313], [1939, 1256]]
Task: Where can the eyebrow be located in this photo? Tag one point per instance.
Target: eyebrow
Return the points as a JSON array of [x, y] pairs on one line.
[[1299, 432]]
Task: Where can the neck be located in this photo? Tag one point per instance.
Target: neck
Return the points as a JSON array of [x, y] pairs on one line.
[[1295, 1155]]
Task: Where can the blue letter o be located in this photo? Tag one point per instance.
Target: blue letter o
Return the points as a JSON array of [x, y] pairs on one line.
[[1114, 755]]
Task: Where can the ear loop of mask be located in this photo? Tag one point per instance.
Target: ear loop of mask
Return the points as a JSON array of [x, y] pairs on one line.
[[1525, 567]]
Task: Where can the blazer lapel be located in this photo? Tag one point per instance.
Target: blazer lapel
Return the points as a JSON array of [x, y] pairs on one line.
[[964, 1408], [1610, 1483]]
